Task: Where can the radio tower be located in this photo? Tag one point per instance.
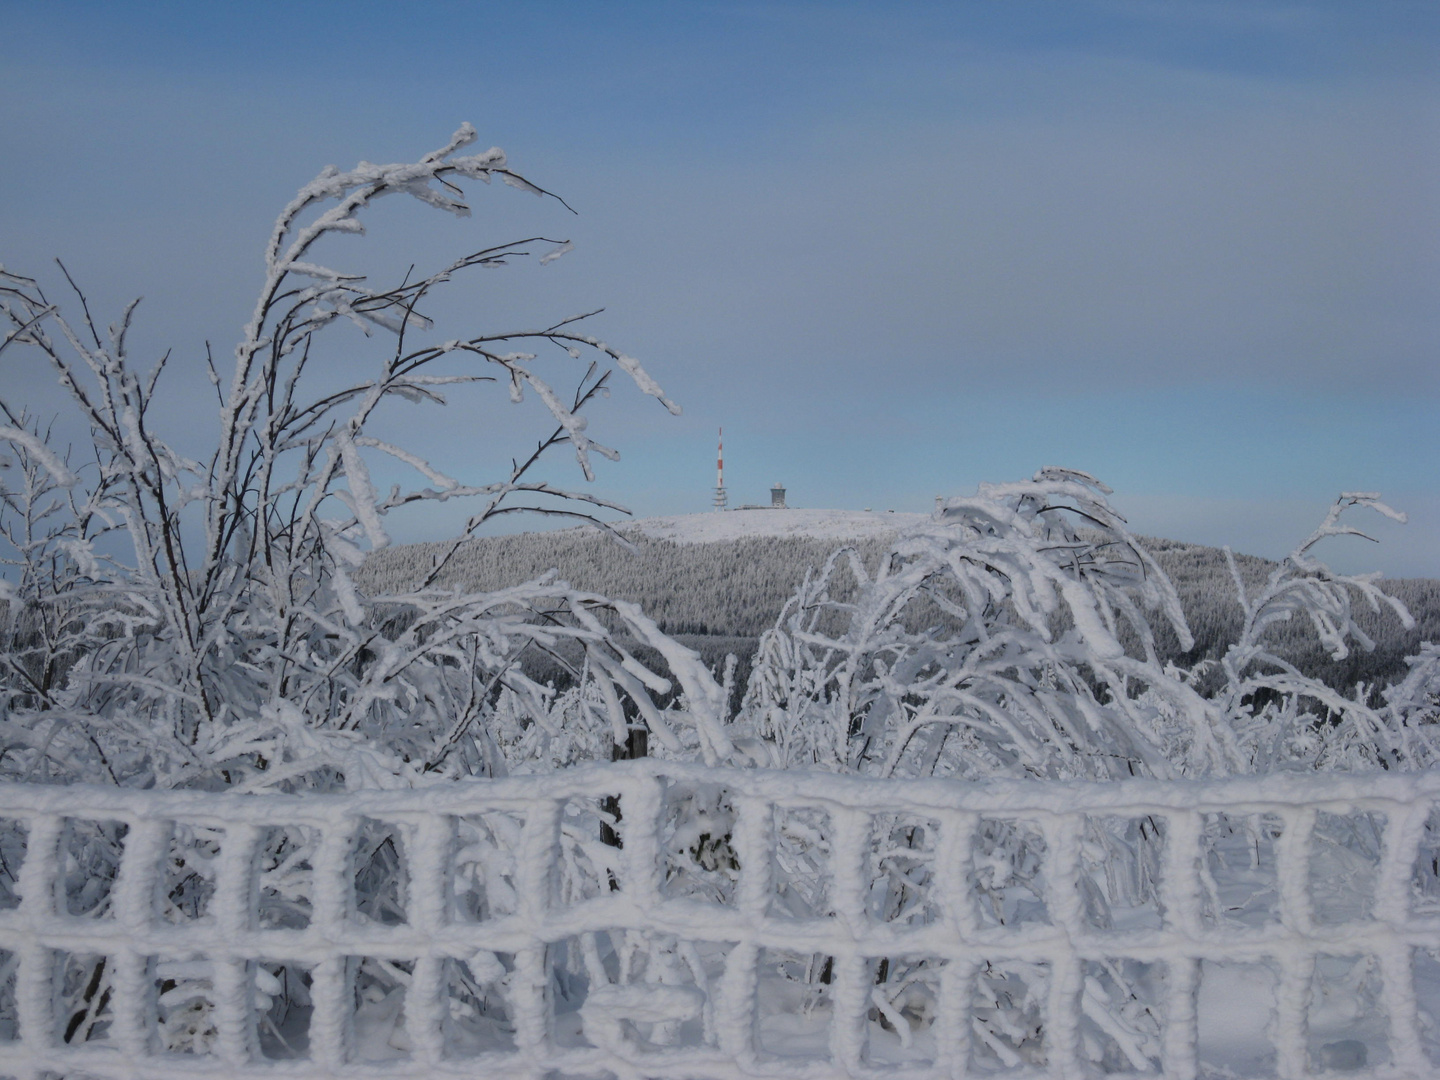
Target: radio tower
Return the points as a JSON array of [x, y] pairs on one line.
[[720, 473]]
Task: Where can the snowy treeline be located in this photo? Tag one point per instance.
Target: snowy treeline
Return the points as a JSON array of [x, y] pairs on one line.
[[720, 596], [200, 624], [734, 588]]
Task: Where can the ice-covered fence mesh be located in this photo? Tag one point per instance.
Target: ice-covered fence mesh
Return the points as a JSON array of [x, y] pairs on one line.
[[651, 919]]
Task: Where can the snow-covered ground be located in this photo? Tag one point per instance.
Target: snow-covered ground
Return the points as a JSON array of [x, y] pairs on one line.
[[717, 526]]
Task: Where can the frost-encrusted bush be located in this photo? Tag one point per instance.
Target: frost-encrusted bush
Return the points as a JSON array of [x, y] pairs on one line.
[[179, 622], [1284, 718], [987, 643], [1014, 635]]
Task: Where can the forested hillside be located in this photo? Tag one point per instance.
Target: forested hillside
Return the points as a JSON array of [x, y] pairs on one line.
[[718, 597]]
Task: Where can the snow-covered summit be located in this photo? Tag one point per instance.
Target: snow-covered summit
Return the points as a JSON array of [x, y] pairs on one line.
[[714, 527]]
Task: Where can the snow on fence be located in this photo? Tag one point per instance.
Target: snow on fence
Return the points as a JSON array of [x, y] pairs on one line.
[[636, 919]]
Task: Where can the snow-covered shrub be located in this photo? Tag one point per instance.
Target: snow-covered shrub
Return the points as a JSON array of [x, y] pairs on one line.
[[174, 621], [988, 642], [1286, 719], [1013, 635]]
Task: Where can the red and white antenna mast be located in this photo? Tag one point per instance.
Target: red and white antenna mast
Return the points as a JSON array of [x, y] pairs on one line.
[[720, 499]]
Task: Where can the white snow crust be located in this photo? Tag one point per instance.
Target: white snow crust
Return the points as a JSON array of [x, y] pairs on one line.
[[715, 527]]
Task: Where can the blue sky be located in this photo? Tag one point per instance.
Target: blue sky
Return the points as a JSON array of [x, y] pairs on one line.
[[895, 250]]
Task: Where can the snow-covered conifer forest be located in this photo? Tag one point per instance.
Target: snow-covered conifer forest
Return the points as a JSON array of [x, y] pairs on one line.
[[1007, 791], [718, 595]]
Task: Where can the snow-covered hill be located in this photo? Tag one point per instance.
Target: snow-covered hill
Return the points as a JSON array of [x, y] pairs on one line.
[[715, 527], [724, 576]]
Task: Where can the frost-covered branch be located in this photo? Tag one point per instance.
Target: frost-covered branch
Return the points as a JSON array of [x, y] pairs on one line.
[[223, 640], [988, 642]]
